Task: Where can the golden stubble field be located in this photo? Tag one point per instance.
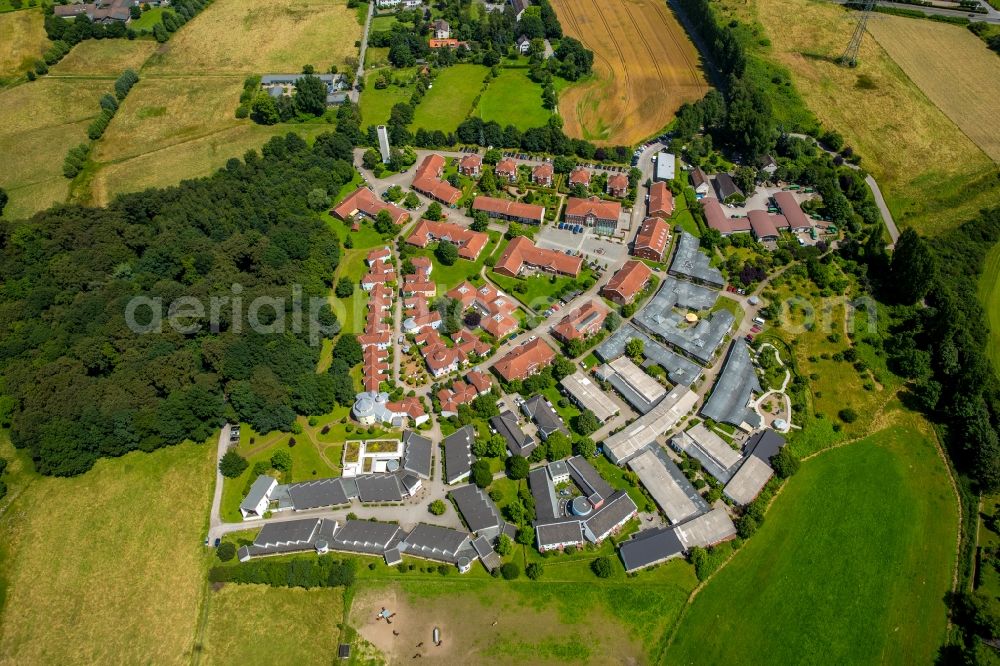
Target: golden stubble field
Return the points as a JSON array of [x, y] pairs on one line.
[[241, 37], [953, 68], [645, 67], [933, 176]]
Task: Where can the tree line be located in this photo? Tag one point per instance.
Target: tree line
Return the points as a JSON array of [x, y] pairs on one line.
[[80, 384], [305, 572]]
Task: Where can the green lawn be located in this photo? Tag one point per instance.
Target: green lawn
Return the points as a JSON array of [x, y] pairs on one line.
[[851, 566], [352, 310], [542, 289], [376, 104], [148, 19], [450, 101], [448, 277], [513, 98], [383, 23], [989, 295]]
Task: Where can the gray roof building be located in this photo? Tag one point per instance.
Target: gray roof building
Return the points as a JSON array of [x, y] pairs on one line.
[[379, 488], [538, 409], [650, 547], [290, 536], [733, 390], [642, 432], [260, 490], [707, 529], [480, 513], [433, 542], [588, 395], [458, 454], [700, 340], [590, 481], [756, 470], [670, 489], [633, 383], [366, 536], [559, 534], [484, 549], [717, 457], [518, 443], [544, 494], [417, 454], [726, 187], [764, 445], [690, 263], [317, 494], [615, 512], [679, 369]]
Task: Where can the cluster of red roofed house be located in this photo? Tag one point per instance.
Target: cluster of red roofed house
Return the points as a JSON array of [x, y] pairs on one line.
[[470, 243], [362, 202], [526, 359], [496, 308], [627, 283], [427, 180], [418, 290], [581, 322], [521, 254], [442, 359], [463, 392]]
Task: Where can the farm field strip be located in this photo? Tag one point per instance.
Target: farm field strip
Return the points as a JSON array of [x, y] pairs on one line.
[[23, 40], [953, 67], [932, 175], [644, 68]]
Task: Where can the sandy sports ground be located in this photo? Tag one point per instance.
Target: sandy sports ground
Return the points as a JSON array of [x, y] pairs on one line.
[[645, 67]]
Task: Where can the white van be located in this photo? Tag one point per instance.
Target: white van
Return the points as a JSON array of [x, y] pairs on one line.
[[759, 321]]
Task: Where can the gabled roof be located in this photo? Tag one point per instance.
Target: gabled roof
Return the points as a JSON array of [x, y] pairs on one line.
[[518, 443], [364, 201], [522, 251], [629, 280], [417, 454], [661, 200], [600, 209], [509, 208], [426, 179], [458, 453], [478, 510], [538, 409], [470, 243], [524, 360], [653, 235]]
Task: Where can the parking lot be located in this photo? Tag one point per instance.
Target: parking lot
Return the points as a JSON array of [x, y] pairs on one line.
[[592, 247]]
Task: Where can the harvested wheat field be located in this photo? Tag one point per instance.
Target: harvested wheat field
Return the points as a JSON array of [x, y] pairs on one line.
[[242, 37], [645, 67], [22, 40], [953, 68], [104, 57]]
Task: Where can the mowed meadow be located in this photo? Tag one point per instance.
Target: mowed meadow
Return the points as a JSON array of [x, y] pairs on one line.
[[932, 174], [109, 566], [22, 41], [179, 121], [645, 67]]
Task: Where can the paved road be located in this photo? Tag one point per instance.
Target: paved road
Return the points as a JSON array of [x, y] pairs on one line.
[[359, 76], [883, 208], [991, 15], [215, 520]]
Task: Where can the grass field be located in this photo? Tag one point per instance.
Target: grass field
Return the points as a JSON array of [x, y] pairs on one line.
[[148, 19], [377, 104], [851, 566], [301, 625], [644, 68], [239, 37], [933, 176], [989, 296], [42, 120], [953, 67], [450, 101], [513, 98], [107, 567], [23, 41], [104, 57]]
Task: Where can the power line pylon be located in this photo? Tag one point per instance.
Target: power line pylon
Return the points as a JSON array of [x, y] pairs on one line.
[[850, 57]]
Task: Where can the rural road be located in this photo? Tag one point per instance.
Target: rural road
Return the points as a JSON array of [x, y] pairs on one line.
[[355, 94]]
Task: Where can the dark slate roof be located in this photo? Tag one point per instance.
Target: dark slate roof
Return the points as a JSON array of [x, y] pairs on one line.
[[437, 543], [544, 494], [458, 453], [650, 547], [417, 454], [291, 536], [518, 442], [393, 557], [538, 409], [589, 479], [764, 445], [476, 507], [379, 488], [726, 186], [733, 389], [316, 494], [365, 536], [409, 481], [614, 511], [487, 555], [563, 531]]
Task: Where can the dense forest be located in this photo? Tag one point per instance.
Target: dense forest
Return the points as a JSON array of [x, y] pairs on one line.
[[80, 384]]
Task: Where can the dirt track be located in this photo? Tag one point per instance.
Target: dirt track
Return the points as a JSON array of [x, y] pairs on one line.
[[644, 65]]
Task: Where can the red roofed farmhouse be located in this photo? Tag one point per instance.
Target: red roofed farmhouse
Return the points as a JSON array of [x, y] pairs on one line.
[[582, 322], [661, 200], [427, 181], [593, 212], [524, 361], [364, 202], [470, 243], [471, 165], [505, 209], [580, 176], [627, 282], [651, 241], [521, 253], [507, 169], [618, 185], [542, 174]]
